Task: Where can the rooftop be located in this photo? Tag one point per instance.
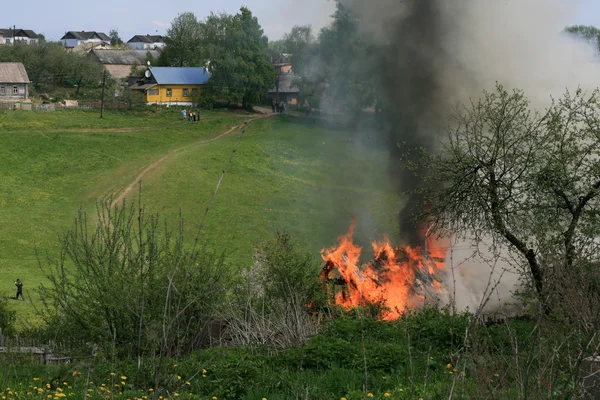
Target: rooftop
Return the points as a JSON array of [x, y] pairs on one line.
[[85, 35], [180, 75], [124, 57], [13, 73], [146, 39], [8, 33]]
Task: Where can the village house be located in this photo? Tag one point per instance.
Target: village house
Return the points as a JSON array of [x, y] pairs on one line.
[[10, 36], [146, 42], [14, 82], [172, 85], [118, 62], [284, 89], [73, 39]]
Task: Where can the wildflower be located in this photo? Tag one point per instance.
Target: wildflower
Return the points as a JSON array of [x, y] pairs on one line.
[[449, 366], [65, 383], [401, 390], [47, 386], [174, 365], [178, 378], [203, 371], [386, 394], [176, 394], [112, 374], [214, 398], [187, 383], [123, 383], [150, 390], [369, 394], [343, 398], [264, 398], [123, 377], [496, 375], [36, 379], [450, 372]]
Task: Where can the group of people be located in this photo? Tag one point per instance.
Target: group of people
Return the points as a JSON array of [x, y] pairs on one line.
[[190, 115], [279, 107]]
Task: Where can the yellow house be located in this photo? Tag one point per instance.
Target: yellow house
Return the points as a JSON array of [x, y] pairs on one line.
[[172, 85]]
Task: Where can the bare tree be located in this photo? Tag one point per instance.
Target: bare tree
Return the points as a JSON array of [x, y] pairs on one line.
[[526, 181]]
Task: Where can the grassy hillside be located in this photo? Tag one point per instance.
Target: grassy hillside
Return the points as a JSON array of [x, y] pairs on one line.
[[288, 174]]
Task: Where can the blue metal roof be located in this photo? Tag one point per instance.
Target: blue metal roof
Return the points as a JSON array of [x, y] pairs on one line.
[[180, 75]]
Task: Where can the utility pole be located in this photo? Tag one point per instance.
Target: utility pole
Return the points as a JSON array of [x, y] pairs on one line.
[[14, 35], [102, 101]]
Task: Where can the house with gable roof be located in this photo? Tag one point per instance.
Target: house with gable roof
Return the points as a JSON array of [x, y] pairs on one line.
[[146, 42], [118, 62], [10, 36], [14, 82], [73, 39], [172, 85]]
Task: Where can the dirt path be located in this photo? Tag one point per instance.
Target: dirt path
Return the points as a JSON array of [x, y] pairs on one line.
[[124, 192]]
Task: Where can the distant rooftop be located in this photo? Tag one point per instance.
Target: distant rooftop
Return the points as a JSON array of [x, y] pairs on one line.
[[13, 72], [8, 33], [124, 57], [85, 35], [180, 75], [146, 39]]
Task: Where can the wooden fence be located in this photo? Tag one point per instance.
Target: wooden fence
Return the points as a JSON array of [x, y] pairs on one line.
[[51, 352]]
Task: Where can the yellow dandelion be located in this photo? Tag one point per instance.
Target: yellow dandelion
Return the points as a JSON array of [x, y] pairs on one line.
[[264, 398], [369, 394], [112, 374], [150, 390], [214, 398], [496, 375], [450, 372], [401, 390], [343, 398], [65, 383], [386, 394], [449, 366], [174, 365], [203, 371], [36, 379], [178, 378], [176, 394], [187, 383], [123, 377], [123, 383]]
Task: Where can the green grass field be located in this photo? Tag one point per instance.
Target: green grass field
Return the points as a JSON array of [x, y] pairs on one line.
[[288, 174]]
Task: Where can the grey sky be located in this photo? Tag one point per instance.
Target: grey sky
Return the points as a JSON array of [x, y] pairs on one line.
[[149, 16], [54, 18]]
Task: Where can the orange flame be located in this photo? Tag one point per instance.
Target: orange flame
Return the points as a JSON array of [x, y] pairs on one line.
[[388, 279]]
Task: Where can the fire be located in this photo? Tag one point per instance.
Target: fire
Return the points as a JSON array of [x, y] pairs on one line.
[[398, 278]]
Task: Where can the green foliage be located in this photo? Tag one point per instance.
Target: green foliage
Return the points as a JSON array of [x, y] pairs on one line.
[[115, 40], [183, 43], [8, 317], [588, 33], [49, 64], [114, 285], [241, 72]]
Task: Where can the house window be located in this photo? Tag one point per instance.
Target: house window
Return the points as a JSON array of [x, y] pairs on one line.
[[194, 92], [186, 92], [169, 92], [2, 90], [153, 92], [15, 90], [7, 41]]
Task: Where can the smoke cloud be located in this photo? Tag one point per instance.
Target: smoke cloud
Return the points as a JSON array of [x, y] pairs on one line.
[[434, 53]]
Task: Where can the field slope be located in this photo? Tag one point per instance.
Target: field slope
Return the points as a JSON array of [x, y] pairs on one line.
[[288, 174]]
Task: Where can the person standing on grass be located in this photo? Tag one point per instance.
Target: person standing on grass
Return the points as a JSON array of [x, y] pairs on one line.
[[19, 286], [194, 116], [183, 114]]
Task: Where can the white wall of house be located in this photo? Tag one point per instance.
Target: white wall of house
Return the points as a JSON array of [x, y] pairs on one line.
[[145, 46], [76, 42]]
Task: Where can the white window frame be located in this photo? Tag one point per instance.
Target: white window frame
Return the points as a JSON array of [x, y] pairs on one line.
[[169, 92], [186, 92], [15, 90]]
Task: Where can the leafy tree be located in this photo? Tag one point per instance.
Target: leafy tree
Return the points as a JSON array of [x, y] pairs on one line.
[[587, 33], [276, 47], [48, 63], [525, 181], [241, 71], [115, 40], [183, 42], [333, 68], [131, 287]]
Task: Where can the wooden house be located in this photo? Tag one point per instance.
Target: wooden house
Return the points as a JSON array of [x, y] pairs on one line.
[[118, 62], [172, 85], [14, 82]]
